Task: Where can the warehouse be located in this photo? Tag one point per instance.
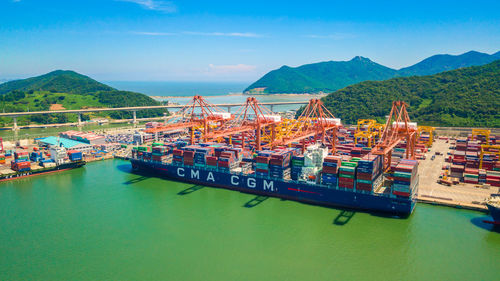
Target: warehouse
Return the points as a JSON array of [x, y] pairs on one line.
[[66, 143]]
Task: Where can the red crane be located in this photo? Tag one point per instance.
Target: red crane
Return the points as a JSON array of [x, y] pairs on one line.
[[252, 117], [397, 129], [196, 113], [315, 121]]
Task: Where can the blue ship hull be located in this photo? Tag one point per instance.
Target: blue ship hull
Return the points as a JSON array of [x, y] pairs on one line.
[[292, 190], [494, 213]]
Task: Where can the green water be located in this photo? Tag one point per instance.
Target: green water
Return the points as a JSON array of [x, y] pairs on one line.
[[103, 223]]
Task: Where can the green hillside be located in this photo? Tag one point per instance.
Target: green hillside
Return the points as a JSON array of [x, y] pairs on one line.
[[69, 90], [440, 63], [463, 97], [323, 76], [334, 75]]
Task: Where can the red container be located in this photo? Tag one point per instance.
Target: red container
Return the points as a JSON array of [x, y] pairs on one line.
[[399, 193], [262, 159], [178, 152], [330, 170]]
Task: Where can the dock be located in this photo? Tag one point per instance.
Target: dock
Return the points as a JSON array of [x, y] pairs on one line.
[[463, 196]]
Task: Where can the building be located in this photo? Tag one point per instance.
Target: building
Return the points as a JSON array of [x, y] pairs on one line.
[[66, 143], [89, 138]]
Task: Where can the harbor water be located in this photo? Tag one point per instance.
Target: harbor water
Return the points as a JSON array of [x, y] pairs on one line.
[[102, 222]]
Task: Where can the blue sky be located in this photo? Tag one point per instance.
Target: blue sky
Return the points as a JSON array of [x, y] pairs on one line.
[[231, 40]]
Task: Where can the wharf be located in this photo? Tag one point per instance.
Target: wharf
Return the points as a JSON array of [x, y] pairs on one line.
[[463, 195]]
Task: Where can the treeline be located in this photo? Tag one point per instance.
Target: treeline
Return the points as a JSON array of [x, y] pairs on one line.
[[464, 97]]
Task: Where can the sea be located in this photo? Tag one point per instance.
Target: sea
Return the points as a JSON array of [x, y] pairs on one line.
[[102, 222], [213, 92], [175, 92]]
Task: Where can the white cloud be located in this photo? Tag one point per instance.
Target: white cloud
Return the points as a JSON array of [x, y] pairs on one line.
[[155, 5], [228, 34], [153, 33], [335, 36], [231, 68]]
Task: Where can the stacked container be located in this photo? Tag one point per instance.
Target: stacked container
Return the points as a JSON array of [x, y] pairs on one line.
[[347, 173], [36, 156], [75, 155], [21, 155], [262, 163], [178, 156], [279, 164], [212, 162], [226, 161], [2, 158], [369, 169], [471, 175], [20, 165], [405, 178], [297, 164], [329, 174], [188, 157]]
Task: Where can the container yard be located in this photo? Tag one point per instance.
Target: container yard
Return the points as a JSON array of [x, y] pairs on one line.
[[313, 158]]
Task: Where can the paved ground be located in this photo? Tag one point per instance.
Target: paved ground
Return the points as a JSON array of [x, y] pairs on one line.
[[467, 195]]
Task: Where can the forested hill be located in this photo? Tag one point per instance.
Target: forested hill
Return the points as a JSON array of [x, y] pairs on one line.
[[324, 76], [440, 63], [463, 97], [68, 90], [334, 75], [66, 81]]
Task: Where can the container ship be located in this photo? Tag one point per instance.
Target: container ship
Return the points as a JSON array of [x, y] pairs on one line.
[[311, 158], [27, 164], [493, 204]]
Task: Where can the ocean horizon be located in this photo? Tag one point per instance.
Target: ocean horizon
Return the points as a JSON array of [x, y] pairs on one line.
[[180, 88]]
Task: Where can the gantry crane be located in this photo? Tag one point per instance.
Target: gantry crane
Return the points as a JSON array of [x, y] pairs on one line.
[[252, 117], [315, 121], [429, 130], [481, 132], [488, 149], [197, 113], [397, 128], [368, 129]]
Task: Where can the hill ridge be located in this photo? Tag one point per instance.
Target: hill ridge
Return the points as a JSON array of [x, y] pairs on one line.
[[332, 75]]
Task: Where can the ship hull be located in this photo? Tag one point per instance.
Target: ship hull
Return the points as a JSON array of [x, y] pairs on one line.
[[292, 190], [59, 168], [494, 213]]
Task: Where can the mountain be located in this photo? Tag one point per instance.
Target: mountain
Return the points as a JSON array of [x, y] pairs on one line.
[[66, 81], [65, 89], [440, 63], [464, 97], [333, 75], [320, 77]]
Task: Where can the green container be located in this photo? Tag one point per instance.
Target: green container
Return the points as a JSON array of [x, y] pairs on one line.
[[156, 144], [402, 175], [364, 181], [349, 164], [346, 176], [124, 146]]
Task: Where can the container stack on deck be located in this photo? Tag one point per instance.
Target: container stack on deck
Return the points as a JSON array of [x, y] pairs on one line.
[[368, 170], [405, 178], [329, 174], [347, 174]]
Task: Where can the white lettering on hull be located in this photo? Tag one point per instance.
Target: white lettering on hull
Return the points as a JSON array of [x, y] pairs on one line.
[[233, 178], [210, 177], [180, 172], [195, 174], [251, 183], [268, 185]]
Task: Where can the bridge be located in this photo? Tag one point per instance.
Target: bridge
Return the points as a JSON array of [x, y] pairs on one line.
[[133, 109]]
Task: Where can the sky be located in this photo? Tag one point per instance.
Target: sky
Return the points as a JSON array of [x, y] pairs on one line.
[[182, 40]]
